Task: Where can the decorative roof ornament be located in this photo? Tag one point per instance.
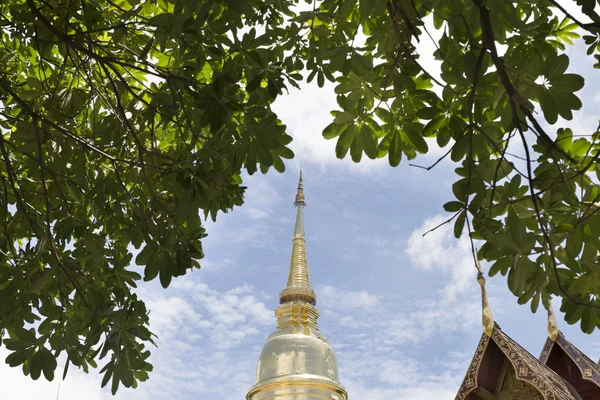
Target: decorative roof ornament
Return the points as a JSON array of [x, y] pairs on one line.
[[487, 319], [552, 326]]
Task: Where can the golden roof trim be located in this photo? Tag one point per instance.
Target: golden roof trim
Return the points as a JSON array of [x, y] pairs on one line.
[[527, 369], [590, 371]]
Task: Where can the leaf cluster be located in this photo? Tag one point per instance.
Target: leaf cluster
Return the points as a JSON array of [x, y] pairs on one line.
[[530, 196], [122, 120], [120, 123]]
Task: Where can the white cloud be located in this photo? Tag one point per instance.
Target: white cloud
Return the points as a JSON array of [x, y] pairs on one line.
[[335, 299], [352, 213], [207, 265], [306, 112], [439, 250], [260, 198], [380, 372], [15, 386]]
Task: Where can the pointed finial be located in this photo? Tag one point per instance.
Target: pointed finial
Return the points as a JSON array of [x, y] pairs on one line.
[[300, 193], [298, 285], [552, 325], [487, 319]]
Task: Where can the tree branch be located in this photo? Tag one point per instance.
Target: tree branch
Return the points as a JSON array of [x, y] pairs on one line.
[[489, 43]]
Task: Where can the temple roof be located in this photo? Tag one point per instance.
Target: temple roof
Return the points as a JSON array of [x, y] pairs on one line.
[[590, 370], [527, 369]]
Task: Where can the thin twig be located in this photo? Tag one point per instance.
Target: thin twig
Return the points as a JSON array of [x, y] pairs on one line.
[[587, 26], [443, 223]]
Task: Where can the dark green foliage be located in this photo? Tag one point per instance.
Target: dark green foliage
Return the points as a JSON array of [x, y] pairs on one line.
[[537, 213], [121, 120]]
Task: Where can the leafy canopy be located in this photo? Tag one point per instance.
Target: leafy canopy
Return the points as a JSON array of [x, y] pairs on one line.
[[500, 62], [120, 120]]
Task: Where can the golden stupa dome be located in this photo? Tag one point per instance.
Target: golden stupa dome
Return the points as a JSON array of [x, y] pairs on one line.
[[296, 362]]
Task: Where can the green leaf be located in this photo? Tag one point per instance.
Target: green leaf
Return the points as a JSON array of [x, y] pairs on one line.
[[556, 66], [345, 141], [459, 224], [432, 127], [108, 374], [428, 112], [589, 320], [504, 242], [115, 384], [535, 302], [502, 266], [357, 146], [48, 363], [30, 94], [526, 296], [453, 206], [567, 83], [332, 130], [35, 365], [18, 357], [344, 117], [165, 277], [42, 280], [417, 140], [369, 141], [395, 150]]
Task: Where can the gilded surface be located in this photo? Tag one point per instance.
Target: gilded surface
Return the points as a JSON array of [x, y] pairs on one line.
[[303, 387], [526, 368], [298, 283], [552, 326], [510, 388], [588, 368], [529, 369], [470, 381], [296, 314], [546, 350], [296, 362], [487, 319]]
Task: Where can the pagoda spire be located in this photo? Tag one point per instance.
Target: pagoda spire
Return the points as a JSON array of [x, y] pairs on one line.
[[298, 284], [487, 319], [296, 362]]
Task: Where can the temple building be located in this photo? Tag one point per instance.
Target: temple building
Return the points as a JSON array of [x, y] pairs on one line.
[[570, 363], [296, 362], [503, 370]]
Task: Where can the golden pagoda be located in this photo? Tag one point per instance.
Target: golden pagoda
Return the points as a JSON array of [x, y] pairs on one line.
[[296, 362]]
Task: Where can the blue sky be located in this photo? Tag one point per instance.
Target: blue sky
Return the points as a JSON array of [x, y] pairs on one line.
[[401, 311]]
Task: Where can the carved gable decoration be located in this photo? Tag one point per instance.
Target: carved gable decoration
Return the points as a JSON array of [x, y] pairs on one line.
[[526, 368], [589, 370], [510, 388]]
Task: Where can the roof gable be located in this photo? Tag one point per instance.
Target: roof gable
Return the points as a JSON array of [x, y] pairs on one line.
[[527, 369], [588, 369]]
